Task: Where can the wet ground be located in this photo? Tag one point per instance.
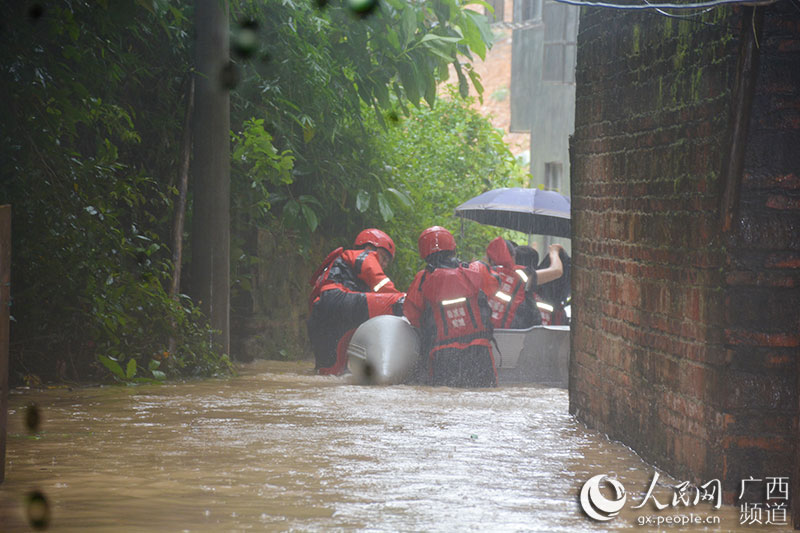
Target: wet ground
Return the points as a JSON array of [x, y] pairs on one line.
[[280, 449]]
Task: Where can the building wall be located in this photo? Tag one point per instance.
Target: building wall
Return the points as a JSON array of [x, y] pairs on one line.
[[760, 429], [685, 335], [543, 101]]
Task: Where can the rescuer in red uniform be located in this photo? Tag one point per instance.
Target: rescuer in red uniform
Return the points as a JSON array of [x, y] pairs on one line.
[[510, 293], [447, 302], [514, 302], [349, 288]]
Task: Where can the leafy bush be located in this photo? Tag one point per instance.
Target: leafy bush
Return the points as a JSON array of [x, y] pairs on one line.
[[440, 157]]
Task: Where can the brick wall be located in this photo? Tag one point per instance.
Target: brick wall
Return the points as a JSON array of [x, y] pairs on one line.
[[762, 272], [685, 336]]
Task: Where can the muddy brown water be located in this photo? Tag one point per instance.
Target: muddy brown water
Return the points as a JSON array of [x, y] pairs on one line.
[[280, 449]]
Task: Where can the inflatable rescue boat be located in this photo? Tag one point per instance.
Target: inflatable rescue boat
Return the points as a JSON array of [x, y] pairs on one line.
[[385, 350]]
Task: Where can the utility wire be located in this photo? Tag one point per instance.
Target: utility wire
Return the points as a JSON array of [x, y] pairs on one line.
[[672, 15], [691, 17], [701, 5]]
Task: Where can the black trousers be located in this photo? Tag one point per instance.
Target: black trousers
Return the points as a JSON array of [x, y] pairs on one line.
[[334, 314]]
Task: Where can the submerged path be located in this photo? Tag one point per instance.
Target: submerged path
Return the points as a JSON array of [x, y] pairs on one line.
[[280, 449]]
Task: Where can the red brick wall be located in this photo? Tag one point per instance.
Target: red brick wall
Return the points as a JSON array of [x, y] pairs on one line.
[[685, 337]]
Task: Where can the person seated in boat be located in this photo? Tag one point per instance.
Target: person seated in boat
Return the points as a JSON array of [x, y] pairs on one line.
[[513, 302], [527, 314], [349, 288], [555, 295], [447, 302]]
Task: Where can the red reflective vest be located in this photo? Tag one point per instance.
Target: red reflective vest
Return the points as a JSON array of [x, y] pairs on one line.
[[452, 296], [354, 271], [509, 295], [506, 298]]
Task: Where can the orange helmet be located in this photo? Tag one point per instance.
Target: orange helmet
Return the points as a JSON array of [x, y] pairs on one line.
[[435, 239], [376, 238]]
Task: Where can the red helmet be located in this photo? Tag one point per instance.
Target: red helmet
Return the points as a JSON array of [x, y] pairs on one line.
[[435, 239], [376, 238]]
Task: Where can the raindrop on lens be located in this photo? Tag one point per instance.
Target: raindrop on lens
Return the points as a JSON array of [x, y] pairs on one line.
[[245, 41], [35, 12], [362, 8], [33, 418], [38, 510]]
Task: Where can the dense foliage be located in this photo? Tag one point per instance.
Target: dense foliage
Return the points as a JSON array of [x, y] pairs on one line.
[[90, 121], [334, 128], [312, 79]]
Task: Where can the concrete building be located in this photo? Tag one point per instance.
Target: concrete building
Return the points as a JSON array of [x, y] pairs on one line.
[[544, 47]]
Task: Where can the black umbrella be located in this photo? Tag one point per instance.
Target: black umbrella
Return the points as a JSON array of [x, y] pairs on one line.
[[531, 211]]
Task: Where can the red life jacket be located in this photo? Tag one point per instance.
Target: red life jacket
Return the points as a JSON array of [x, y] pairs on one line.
[[453, 296], [510, 294], [320, 275], [511, 284]]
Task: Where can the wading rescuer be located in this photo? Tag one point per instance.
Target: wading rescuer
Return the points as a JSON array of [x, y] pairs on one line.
[[447, 302], [349, 288], [513, 303]]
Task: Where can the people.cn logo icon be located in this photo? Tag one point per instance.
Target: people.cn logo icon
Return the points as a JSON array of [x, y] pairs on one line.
[[597, 506]]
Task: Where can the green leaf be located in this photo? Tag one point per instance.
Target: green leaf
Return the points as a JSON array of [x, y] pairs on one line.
[[131, 370], [291, 209], [480, 22], [308, 199], [473, 38], [441, 38], [384, 208], [409, 24], [404, 199], [394, 41], [408, 77], [113, 366], [310, 216], [159, 375], [476, 81], [463, 87], [362, 201], [430, 87], [442, 50]]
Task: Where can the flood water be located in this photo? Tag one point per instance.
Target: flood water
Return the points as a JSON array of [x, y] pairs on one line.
[[280, 449]]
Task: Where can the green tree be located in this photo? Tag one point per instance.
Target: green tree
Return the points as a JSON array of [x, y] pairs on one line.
[[90, 124], [307, 77], [438, 158], [315, 86]]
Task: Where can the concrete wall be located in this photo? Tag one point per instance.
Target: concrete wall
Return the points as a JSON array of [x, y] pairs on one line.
[[539, 104], [685, 333]]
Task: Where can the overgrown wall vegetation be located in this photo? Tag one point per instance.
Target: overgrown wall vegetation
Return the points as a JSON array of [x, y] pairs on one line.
[[334, 129]]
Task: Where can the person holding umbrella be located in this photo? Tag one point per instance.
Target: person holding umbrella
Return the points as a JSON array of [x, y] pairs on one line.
[[528, 313]]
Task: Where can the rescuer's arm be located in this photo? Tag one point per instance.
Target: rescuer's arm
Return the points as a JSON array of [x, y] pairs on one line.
[[373, 275]]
